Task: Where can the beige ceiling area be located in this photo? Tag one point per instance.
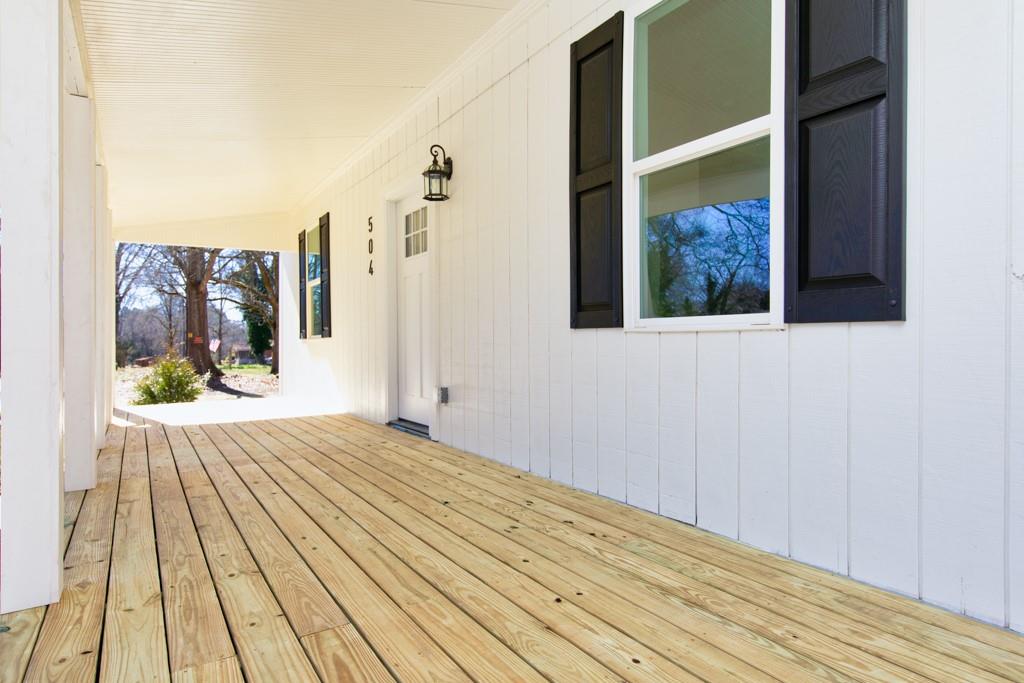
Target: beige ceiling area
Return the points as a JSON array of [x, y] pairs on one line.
[[213, 108]]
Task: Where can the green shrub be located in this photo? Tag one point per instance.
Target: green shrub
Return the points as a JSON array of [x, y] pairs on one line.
[[172, 380]]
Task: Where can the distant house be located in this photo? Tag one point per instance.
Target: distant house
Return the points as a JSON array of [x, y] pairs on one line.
[[241, 354]]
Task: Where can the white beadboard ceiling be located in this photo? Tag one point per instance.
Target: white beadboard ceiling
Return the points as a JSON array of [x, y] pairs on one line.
[[214, 108]]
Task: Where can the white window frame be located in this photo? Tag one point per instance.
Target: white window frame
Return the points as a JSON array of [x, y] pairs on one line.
[[772, 124], [312, 283]]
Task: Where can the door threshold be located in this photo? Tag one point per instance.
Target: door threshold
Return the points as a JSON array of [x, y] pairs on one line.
[[410, 427]]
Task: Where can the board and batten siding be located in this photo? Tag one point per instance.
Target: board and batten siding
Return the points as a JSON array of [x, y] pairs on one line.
[[891, 452]]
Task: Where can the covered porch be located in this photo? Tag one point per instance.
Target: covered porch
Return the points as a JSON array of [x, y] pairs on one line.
[[333, 548]]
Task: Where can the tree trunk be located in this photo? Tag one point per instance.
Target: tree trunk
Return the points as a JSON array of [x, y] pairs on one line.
[[197, 343]]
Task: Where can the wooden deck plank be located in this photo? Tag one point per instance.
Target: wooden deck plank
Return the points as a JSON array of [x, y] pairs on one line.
[[305, 601], [197, 634], [407, 649], [341, 654], [822, 641], [223, 671], [330, 548], [516, 631], [21, 628], [805, 618], [447, 559], [669, 625], [72, 505], [267, 647], [69, 641], [17, 641], [483, 647], [794, 577], [134, 643]]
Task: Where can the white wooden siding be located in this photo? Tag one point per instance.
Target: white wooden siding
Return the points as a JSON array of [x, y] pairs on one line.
[[893, 452], [1015, 284]]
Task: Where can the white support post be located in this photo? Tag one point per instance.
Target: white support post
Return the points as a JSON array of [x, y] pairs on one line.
[[31, 504], [104, 305], [79, 196], [111, 334]]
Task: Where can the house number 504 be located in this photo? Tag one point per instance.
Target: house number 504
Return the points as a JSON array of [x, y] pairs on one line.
[[369, 244]]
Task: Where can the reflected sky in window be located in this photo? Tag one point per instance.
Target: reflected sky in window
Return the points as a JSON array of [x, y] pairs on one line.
[[708, 260]]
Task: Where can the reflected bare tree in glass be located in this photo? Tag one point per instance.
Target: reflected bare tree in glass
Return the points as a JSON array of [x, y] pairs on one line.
[[709, 260]]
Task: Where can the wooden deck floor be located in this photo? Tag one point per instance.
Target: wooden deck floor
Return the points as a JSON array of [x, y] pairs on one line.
[[329, 548]]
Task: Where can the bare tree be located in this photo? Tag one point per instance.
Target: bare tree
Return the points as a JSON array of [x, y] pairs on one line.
[[188, 272], [132, 263], [250, 278]]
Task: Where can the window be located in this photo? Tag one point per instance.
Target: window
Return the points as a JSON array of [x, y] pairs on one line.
[[315, 281], [314, 291], [703, 205], [416, 233]]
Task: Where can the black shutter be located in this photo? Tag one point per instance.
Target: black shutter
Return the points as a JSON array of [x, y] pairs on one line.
[[325, 273], [595, 180], [302, 285], [845, 72]]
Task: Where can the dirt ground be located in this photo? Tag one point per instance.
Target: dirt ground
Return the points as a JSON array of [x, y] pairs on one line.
[[235, 384]]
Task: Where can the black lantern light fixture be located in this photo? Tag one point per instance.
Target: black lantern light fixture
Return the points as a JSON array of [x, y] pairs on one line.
[[437, 175]]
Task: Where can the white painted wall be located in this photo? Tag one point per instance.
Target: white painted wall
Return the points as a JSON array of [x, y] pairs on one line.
[[892, 452]]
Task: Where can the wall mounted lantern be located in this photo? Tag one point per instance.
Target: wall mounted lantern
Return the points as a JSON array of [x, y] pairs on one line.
[[437, 175]]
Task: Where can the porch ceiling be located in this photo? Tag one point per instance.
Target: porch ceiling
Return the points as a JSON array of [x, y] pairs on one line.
[[216, 108]]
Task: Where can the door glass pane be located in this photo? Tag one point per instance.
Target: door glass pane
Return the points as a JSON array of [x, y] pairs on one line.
[[701, 66], [705, 237], [313, 254], [316, 306]]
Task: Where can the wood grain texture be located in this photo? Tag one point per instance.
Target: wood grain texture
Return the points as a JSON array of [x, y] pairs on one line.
[[221, 671], [990, 649], [305, 601], [513, 598], [267, 647], [437, 565], [69, 641], [135, 642], [197, 634], [438, 580], [839, 650], [406, 648], [340, 654], [491, 527], [16, 643]]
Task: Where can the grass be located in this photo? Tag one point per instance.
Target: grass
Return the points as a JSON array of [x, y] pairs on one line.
[[254, 369]]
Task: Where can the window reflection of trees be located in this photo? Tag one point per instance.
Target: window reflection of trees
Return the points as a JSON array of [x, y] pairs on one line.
[[709, 260]]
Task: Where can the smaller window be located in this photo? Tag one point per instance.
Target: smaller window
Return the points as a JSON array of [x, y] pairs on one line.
[[314, 289], [416, 233]]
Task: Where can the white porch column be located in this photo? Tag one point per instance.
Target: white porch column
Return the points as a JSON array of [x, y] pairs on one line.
[[104, 306], [79, 196], [31, 514]]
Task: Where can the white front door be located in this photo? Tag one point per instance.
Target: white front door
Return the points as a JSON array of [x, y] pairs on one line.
[[415, 357]]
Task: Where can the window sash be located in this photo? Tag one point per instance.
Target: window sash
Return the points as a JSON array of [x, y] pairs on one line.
[[310, 316], [772, 124]]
